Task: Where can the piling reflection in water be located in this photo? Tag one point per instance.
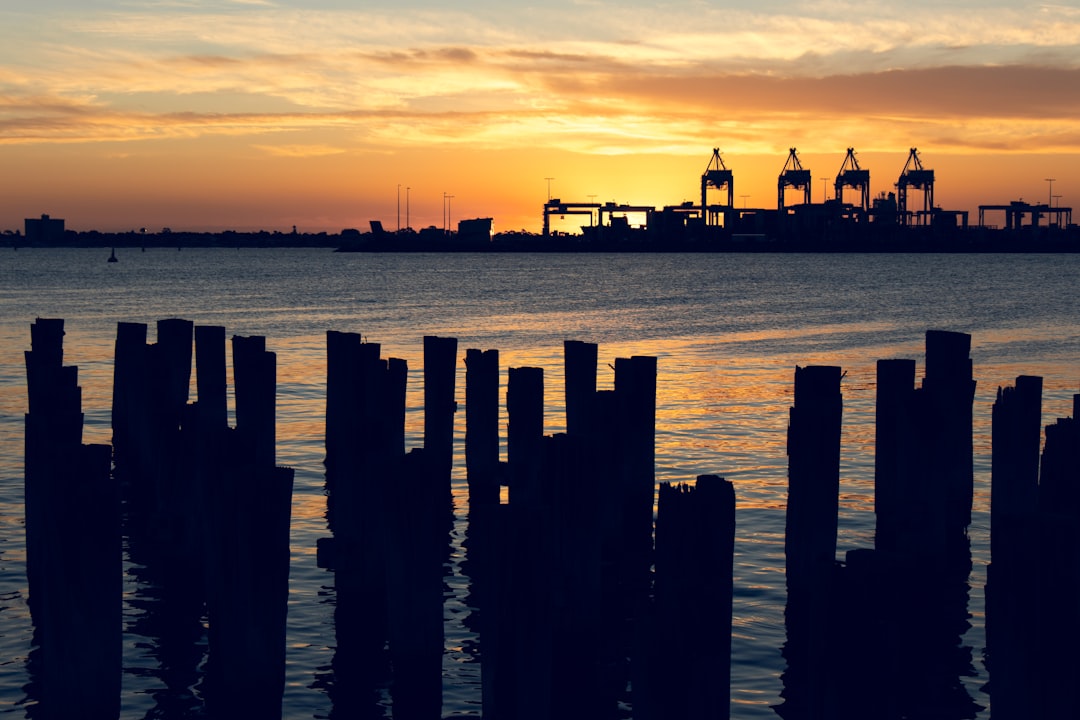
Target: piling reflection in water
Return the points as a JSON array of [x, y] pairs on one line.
[[1033, 576], [567, 597], [207, 517], [911, 590]]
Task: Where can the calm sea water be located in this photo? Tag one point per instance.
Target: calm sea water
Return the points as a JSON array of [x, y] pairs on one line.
[[728, 331]]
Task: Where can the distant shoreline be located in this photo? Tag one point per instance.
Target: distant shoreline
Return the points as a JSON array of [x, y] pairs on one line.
[[892, 240]]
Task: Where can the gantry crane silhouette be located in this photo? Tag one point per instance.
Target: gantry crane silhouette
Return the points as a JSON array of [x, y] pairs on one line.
[[793, 175], [718, 176], [853, 176], [915, 176]]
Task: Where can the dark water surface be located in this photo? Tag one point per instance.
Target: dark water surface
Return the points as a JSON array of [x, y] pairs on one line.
[[728, 331]]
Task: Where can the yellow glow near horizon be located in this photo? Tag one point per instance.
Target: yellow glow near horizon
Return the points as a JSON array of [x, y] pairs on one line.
[[312, 117]]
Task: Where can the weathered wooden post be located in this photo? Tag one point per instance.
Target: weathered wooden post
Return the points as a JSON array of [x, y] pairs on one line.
[[813, 474], [365, 441], [691, 661], [482, 426], [440, 375], [923, 486], [211, 384], [174, 336], [249, 569], [1011, 588], [945, 397], [810, 539], [579, 362], [1058, 568], [516, 617], [255, 372], [897, 497], [525, 411], [635, 391], [585, 643], [415, 496], [131, 426], [72, 542]]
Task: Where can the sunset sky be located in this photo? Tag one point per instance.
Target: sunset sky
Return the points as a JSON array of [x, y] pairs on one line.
[[264, 114]]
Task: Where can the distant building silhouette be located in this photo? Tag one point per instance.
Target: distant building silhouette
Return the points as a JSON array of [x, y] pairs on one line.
[[44, 231]]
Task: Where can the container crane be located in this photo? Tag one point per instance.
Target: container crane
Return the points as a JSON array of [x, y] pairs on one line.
[[915, 176], [718, 176], [853, 176], [793, 175]]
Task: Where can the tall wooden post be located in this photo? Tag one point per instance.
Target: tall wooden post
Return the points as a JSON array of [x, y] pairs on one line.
[[525, 410], [810, 539], [897, 495], [695, 543], [413, 562], [210, 377], [256, 381], [72, 542], [365, 444], [1011, 588], [482, 426], [635, 390], [947, 392], [1058, 569], [813, 474], [440, 374], [579, 361], [131, 426], [251, 505]]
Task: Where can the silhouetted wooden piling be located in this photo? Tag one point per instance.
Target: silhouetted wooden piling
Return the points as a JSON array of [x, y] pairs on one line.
[[251, 505], [1057, 633], [813, 473], [131, 427], [153, 458], [255, 377], [635, 390], [695, 542], [525, 431], [946, 396], [440, 374], [517, 617], [72, 542], [1016, 430], [365, 441], [586, 648], [415, 547], [579, 362], [482, 426], [897, 495], [211, 384], [810, 538], [1012, 580], [174, 338]]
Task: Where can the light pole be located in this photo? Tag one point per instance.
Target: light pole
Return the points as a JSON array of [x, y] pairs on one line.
[[408, 226], [1051, 193], [549, 179], [399, 207], [824, 185], [446, 212], [744, 201]]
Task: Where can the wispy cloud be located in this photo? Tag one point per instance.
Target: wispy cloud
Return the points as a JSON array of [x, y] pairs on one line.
[[300, 151], [583, 77]]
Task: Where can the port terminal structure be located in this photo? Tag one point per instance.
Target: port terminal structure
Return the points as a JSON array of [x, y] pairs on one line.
[[910, 206], [891, 208]]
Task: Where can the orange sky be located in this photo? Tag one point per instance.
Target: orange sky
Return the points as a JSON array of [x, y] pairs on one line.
[[254, 114]]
